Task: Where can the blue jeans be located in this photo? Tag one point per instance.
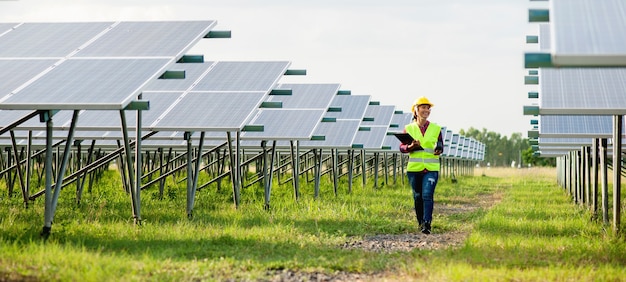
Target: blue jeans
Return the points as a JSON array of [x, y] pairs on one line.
[[423, 185]]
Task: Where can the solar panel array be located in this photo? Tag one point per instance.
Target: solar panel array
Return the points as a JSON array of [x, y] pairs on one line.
[[96, 67], [579, 98], [77, 81], [582, 82], [79, 66]]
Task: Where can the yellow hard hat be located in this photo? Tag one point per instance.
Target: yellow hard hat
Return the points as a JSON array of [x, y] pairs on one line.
[[422, 101]]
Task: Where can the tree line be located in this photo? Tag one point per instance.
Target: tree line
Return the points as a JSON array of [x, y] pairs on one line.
[[506, 151]]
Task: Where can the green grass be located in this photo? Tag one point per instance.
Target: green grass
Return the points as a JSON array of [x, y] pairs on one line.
[[534, 233]]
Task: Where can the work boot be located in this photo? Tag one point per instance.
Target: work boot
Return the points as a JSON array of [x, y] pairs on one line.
[[426, 228]]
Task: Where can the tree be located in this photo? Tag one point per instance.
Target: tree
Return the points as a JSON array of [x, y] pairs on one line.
[[505, 151]]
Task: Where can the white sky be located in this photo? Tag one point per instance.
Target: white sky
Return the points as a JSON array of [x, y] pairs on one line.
[[465, 56]]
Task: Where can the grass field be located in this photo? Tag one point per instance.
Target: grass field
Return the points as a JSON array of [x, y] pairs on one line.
[[533, 232]]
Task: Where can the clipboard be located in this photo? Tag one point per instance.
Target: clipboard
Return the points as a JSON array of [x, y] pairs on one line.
[[405, 138]]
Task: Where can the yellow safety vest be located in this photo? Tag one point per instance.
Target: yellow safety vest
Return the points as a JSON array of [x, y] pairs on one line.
[[424, 159]]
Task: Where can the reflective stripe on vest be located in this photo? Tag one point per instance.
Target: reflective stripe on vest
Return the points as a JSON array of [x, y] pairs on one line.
[[431, 161], [424, 159]]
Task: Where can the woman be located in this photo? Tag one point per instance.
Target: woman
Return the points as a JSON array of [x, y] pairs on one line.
[[423, 167]]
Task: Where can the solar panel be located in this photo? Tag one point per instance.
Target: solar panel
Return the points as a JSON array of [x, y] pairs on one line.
[[348, 107], [306, 96], [575, 126], [454, 145], [209, 111], [286, 124], [371, 138], [447, 143], [377, 115], [466, 146], [158, 39], [459, 147], [15, 73], [242, 76], [565, 141], [398, 120], [455, 138], [298, 115], [98, 84], [49, 39], [583, 91], [84, 74], [588, 32], [173, 111], [193, 71], [338, 134], [110, 120]]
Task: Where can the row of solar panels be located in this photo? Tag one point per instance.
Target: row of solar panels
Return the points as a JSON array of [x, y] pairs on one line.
[[580, 72], [103, 68]]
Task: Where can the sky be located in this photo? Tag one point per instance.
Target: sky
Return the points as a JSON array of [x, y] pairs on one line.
[[465, 56]]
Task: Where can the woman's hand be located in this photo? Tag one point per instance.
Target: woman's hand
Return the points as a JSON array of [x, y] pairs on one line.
[[414, 145]]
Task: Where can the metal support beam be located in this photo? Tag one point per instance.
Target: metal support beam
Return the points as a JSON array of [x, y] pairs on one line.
[[318, 169], [605, 180], [234, 167], [350, 169], [617, 172], [136, 187], [334, 157], [29, 163], [52, 199], [129, 169], [594, 177], [295, 163], [18, 167]]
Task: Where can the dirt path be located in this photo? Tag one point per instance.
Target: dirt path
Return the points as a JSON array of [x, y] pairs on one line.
[[394, 243]]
